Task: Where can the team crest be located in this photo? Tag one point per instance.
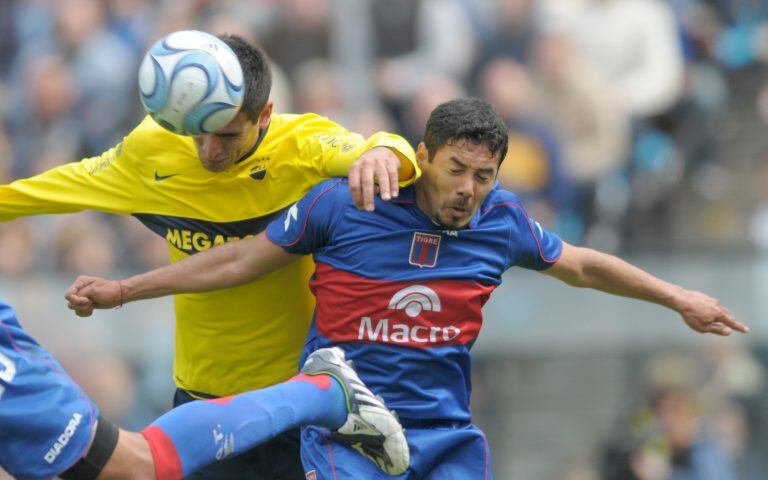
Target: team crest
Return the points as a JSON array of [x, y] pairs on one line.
[[424, 249], [311, 475], [258, 172]]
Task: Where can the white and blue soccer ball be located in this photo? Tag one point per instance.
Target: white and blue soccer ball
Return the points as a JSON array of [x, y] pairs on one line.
[[191, 83]]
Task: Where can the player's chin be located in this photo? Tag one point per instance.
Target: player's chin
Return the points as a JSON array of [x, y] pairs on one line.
[[216, 166], [455, 222]]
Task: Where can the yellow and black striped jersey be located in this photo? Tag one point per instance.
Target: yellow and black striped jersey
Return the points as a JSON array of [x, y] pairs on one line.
[[240, 338]]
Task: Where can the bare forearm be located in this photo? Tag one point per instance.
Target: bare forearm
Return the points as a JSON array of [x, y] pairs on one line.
[[224, 266], [615, 276], [586, 268], [211, 270]]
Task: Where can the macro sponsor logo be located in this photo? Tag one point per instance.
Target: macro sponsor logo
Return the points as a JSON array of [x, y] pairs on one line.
[[63, 439], [413, 301], [403, 333], [189, 240]]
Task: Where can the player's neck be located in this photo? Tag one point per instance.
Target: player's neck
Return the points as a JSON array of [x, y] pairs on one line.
[[421, 201]]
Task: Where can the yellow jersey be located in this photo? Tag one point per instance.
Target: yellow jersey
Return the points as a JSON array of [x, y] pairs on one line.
[[230, 340]]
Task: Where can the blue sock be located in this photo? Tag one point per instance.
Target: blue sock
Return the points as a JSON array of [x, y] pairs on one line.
[[180, 440]]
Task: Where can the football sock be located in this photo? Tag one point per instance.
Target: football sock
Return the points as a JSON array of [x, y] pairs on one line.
[[201, 432]]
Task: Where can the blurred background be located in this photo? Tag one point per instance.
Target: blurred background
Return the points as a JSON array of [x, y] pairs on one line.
[[638, 127]]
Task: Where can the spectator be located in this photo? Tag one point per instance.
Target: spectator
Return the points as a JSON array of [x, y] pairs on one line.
[[533, 166], [414, 37], [634, 44]]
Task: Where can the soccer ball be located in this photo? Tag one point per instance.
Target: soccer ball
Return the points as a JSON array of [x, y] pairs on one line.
[[191, 83]]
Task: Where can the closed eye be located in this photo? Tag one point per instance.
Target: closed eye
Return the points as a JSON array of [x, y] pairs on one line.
[[229, 136]]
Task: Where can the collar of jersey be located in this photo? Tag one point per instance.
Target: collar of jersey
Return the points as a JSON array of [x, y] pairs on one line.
[[407, 196], [255, 146]]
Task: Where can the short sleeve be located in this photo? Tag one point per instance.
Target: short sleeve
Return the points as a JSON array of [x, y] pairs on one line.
[[306, 226], [539, 248]]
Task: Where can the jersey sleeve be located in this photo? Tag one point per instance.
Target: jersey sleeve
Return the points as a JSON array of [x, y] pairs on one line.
[[335, 149], [46, 419], [532, 246], [308, 224], [103, 183]]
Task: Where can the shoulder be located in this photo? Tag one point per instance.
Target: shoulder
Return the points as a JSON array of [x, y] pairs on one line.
[[295, 120], [334, 190], [300, 131], [306, 126], [504, 203]]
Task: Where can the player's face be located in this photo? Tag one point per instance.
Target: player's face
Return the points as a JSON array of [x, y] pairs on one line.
[[455, 182], [220, 150]]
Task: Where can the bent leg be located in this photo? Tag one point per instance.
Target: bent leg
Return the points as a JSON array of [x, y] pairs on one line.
[[202, 432]]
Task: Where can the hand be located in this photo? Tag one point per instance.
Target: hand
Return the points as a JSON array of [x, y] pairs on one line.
[[377, 165], [705, 314], [87, 293]]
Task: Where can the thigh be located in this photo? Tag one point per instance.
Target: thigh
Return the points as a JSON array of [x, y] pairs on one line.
[[436, 454], [46, 419], [325, 459], [461, 454]]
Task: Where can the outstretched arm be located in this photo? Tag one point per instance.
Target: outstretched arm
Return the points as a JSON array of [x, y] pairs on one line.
[[224, 266], [587, 268]]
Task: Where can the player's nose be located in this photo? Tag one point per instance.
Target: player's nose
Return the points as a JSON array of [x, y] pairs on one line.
[[211, 146], [466, 186]]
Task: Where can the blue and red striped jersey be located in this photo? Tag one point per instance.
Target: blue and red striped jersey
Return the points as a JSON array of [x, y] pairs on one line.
[[403, 296]]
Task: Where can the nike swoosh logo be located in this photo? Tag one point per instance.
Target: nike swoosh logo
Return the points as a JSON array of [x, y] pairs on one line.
[[160, 178]]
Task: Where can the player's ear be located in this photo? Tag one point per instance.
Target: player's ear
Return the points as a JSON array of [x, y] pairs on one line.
[[265, 114], [421, 154]]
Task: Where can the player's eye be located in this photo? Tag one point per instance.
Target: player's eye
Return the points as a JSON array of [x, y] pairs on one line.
[[482, 178], [228, 136], [456, 171]]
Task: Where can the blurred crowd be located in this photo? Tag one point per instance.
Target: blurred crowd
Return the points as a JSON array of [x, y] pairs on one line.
[[624, 114], [698, 416], [694, 412]]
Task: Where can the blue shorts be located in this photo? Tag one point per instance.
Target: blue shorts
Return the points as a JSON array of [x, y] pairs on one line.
[[438, 453], [46, 420]]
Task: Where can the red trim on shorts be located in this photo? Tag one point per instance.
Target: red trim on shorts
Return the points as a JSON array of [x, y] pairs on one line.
[[166, 458], [330, 454], [322, 381]]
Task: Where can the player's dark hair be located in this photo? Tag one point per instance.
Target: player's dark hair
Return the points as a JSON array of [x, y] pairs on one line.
[[257, 74], [466, 119]]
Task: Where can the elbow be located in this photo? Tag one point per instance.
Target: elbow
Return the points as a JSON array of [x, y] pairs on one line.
[[577, 279], [238, 274], [583, 269]]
